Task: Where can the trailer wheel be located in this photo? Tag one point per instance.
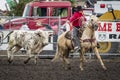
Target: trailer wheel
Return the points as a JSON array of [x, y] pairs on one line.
[[108, 47]]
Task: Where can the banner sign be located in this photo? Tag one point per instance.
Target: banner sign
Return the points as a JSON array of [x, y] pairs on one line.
[[108, 32]]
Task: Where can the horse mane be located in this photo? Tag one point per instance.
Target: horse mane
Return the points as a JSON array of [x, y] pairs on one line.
[[88, 32]]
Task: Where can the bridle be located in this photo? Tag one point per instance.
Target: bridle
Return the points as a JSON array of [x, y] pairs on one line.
[[92, 26]]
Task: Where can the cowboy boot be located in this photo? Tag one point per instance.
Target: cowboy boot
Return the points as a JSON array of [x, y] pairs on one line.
[[76, 47], [98, 45]]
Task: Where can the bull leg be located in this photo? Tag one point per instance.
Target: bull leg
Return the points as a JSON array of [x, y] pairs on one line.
[[99, 58], [36, 55], [82, 58], [9, 52], [35, 59], [9, 56], [14, 50], [30, 56], [26, 61]]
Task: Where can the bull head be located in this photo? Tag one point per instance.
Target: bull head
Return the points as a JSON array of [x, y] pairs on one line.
[[44, 35]]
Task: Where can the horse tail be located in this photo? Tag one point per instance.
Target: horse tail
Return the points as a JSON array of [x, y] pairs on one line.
[[56, 54]]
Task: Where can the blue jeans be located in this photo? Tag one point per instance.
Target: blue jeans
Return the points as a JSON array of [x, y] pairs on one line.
[[75, 39]]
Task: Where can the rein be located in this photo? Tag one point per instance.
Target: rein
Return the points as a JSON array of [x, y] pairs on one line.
[[89, 26], [89, 40]]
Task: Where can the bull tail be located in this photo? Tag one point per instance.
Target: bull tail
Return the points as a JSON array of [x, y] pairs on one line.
[[56, 54], [7, 35], [1, 36]]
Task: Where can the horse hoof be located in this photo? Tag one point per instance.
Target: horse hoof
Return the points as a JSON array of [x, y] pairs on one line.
[[25, 62], [35, 63], [81, 69], [85, 61], [104, 68], [53, 60], [67, 68], [10, 61]]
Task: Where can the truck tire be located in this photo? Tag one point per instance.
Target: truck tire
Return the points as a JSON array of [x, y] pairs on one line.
[[108, 47]]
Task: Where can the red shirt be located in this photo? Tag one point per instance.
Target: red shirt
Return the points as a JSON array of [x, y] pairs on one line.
[[76, 19]]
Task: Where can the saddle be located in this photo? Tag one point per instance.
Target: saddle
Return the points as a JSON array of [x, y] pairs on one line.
[[68, 35]]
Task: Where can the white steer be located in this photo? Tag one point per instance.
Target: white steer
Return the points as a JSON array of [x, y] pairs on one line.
[[33, 42]]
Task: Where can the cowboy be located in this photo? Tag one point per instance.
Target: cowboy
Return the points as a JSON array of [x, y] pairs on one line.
[[24, 26], [77, 22], [74, 8]]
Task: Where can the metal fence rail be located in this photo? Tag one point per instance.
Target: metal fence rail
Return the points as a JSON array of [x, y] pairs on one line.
[[75, 55]]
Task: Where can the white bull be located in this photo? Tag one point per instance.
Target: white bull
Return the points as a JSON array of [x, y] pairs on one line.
[[33, 42]]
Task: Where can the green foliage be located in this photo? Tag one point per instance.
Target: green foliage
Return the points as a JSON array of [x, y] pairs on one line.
[[18, 8], [72, 2]]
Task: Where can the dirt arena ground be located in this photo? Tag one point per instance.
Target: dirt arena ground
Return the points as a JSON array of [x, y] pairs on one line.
[[45, 70]]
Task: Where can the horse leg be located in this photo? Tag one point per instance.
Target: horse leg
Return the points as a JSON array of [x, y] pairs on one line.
[[66, 62], [82, 58], [56, 55], [99, 58]]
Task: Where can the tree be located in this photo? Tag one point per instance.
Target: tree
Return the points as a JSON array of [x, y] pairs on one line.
[[72, 2], [18, 8]]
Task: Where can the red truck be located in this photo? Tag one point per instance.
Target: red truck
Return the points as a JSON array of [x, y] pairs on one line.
[[42, 12]]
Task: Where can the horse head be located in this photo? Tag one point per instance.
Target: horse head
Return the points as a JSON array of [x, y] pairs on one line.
[[93, 22]]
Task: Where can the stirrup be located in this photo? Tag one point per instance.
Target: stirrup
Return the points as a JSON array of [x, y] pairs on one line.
[[98, 45], [76, 49]]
